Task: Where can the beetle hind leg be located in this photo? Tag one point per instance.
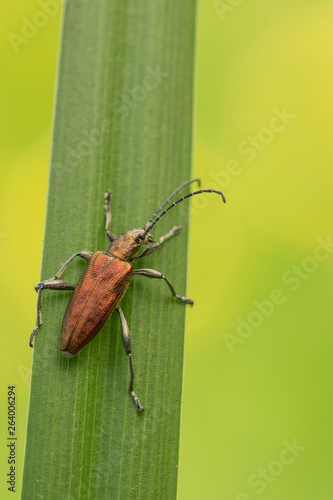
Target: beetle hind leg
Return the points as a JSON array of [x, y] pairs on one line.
[[55, 284], [52, 284], [127, 344]]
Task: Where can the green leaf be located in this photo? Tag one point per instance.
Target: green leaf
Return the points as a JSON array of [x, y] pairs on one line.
[[123, 121]]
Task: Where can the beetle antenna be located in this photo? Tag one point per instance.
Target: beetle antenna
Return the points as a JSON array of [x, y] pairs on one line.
[[171, 196], [148, 226]]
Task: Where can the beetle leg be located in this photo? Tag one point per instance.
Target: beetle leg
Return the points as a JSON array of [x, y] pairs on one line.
[[151, 273], [84, 255], [108, 216], [127, 344], [175, 230], [53, 285]]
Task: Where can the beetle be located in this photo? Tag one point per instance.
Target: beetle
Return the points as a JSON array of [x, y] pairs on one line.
[[105, 281]]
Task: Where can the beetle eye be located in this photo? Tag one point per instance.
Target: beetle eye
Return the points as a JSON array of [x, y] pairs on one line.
[[141, 236]]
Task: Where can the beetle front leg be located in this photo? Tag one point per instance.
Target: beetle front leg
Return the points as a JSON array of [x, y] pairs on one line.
[[107, 200], [151, 273], [127, 344], [175, 230], [52, 285]]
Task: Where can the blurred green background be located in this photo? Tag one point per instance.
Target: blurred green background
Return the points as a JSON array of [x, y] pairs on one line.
[[257, 411]]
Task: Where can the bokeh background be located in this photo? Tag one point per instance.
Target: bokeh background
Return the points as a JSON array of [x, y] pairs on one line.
[[257, 410]]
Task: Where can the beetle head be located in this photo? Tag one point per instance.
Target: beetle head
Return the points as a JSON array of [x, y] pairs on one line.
[[127, 245], [140, 236]]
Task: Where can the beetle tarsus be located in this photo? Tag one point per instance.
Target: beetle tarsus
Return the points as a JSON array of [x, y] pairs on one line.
[[137, 403], [108, 216], [32, 336], [185, 299], [41, 284]]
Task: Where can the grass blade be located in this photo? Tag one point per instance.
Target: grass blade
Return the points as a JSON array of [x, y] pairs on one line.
[[123, 121]]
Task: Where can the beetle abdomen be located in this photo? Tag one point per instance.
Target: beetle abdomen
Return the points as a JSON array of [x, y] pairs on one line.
[[96, 295]]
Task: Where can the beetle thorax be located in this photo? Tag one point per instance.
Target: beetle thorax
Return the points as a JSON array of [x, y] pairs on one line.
[[127, 245]]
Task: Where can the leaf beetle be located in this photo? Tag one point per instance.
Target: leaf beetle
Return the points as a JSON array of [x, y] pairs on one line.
[[105, 281]]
